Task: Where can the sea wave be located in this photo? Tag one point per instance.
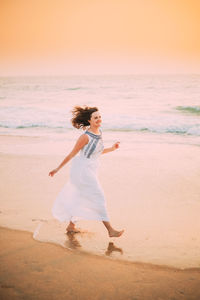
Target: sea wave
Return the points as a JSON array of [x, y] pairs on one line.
[[29, 126], [193, 130], [189, 109], [182, 130], [74, 88]]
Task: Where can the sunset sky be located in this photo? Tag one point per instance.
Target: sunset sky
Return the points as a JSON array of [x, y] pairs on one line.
[[99, 36]]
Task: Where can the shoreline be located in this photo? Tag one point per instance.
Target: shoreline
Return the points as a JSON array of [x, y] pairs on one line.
[[33, 270]]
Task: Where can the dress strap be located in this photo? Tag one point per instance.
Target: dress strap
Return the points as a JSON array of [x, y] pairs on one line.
[[93, 135]]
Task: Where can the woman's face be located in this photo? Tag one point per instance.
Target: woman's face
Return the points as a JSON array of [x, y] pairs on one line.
[[95, 119]]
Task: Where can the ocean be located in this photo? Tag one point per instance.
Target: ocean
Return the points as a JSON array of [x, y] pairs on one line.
[[157, 107]]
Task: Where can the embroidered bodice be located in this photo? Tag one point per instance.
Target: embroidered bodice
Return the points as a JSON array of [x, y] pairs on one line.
[[94, 147]]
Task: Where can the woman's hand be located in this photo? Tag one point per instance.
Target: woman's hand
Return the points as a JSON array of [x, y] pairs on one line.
[[115, 146], [53, 172]]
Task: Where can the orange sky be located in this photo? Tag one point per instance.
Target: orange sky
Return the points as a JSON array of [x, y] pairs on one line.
[[99, 36]]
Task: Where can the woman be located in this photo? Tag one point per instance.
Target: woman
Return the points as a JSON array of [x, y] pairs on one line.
[[82, 197]]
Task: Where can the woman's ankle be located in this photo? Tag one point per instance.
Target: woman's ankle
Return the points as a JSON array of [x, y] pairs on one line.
[[71, 225]]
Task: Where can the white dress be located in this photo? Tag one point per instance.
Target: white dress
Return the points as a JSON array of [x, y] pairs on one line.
[[82, 196]]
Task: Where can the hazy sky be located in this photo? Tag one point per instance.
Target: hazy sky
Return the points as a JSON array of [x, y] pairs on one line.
[[99, 36]]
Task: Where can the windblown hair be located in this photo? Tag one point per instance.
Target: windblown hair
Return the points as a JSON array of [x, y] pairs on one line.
[[81, 115]]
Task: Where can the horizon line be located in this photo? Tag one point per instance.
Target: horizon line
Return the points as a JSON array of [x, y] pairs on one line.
[[99, 74]]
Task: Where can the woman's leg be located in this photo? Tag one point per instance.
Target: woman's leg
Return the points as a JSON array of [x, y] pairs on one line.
[[71, 228], [111, 231]]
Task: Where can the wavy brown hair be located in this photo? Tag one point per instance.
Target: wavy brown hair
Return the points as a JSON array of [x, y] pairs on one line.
[[81, 115]]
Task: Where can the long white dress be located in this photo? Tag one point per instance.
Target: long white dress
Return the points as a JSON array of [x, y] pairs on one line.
[[82, 196]]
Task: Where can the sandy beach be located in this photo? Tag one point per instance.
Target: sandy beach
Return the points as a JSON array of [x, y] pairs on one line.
[[34, 270], [153, 194]]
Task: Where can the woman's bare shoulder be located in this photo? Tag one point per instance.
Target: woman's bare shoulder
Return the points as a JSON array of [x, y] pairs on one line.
[[83, 138]]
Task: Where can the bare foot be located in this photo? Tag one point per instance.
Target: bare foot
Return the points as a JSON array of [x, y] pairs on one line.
[[115, 233]]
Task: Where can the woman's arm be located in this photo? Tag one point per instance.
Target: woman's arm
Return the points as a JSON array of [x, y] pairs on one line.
[[114, 147], [81, 142]]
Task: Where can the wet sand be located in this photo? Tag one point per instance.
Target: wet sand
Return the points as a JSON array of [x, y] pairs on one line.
[[34, 270]]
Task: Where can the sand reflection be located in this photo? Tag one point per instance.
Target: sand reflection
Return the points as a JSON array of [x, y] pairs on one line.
[[112, 248], [73, 243]]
